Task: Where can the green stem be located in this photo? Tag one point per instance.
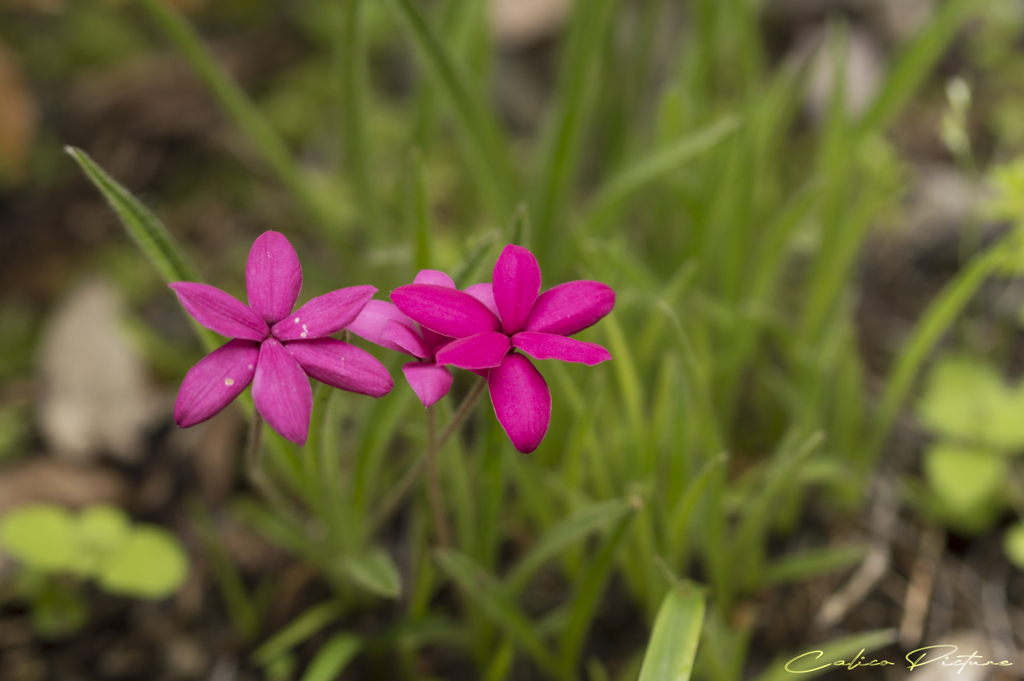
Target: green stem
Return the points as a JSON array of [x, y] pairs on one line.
[[434, 482], [402, 487]]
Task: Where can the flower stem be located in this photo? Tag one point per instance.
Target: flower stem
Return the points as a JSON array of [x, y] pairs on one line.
[[254, 466], [402, 487], [434, 481]]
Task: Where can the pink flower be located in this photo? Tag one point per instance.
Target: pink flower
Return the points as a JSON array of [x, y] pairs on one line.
[[490, 325], [273, 348], [382, 323]]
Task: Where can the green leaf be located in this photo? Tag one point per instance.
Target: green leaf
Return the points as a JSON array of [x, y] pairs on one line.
[[295, 632], [333, 657], [152, 238], [964, 479], [150, 564], [486, 593], [418, 212], [375, 572], [673, 643], [1013, 544], [101, 531], [810, 564], [41, 535]]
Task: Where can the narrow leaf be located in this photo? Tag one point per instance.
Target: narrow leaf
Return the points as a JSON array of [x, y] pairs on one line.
[[375, 572], [295, 632], [333, 657], [673, 643]]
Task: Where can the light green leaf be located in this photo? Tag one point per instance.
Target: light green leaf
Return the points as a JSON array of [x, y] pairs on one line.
[[41, 535], [964, 479], [151, 563], [101, 532], [375, 572], [295, 632], [1013, 544], [333, 657], [812, 563], [673, 643]]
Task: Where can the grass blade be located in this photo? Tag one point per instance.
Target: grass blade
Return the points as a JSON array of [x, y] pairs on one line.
[[655, 167], [814, 665], [296, 631], [674, 640], [576, 80], [149, 234], [484, 144], [813, 563], [486, 594], [240, 108], [333, 657], [374, 571], [563, 534]]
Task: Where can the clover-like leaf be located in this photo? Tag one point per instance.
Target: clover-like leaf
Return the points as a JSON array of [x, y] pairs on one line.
[[1013, 544], [964, 479], [42, 536], [150, 564]]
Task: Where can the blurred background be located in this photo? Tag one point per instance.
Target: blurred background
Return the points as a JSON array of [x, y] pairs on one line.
[[811, 211]]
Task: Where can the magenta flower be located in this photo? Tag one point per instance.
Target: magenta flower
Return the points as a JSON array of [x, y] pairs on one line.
[[273, 348], [382, 323], [513, 315]]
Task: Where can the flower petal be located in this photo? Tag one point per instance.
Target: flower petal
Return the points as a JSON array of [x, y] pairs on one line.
[[482, 351], [522, 401], [369, 324], [550, 346], [405, 339], [282, 393], [217, 379], [342, 365], [273, 276], [219, 311], [429, 381], [570, 307], [485, 294], [325, 314], [516, 283], [449, 312], [435, 277]]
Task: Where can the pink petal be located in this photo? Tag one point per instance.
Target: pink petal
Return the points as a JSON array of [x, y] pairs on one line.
[[282, 393], [485, 294], [219, 311], [325, 314], [435, 277], [570, 307], [550, 346], [516, 283], [217, 379], [405, 339], [449, 312], [369, 324], [429, 381], [342, 365], [482, 351], [273, 277], [522, 401]]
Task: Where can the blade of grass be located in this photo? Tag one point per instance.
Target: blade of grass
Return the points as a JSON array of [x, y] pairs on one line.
[[658, 165], [560, 157], [149, 234], [333, 657], [350, 62], [296, 631], [673, 644], [563, 534], [916, 61], [241, 109], [808, 564], [483, 142], [485, 593], [813, 664], [418, 212]]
